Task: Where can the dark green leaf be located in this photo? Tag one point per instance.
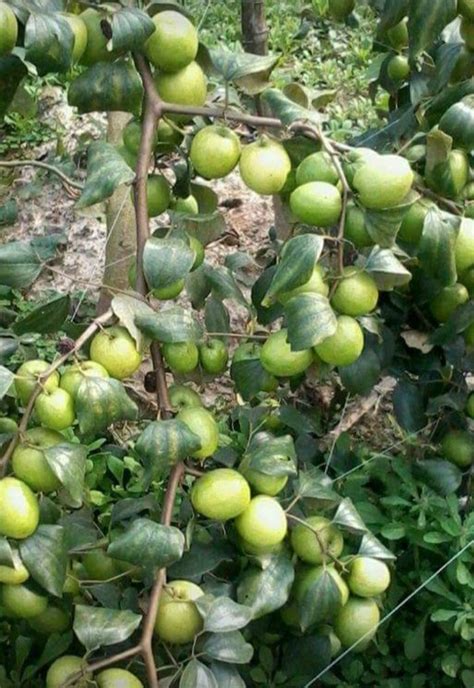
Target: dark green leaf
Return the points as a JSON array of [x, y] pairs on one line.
[[216, 316], [105, 87], [260, 288], [287, 110], [197, 675], [49, 41], [414, 644], [227, 676], [296, 265], [148, 544], [126, 308], [250, 377], [171, 325], [266, 590], [201, 558], [224, 285], [106, 170], [165, 442], [68, 463], [56, 646], [6, 379], [130, 29], [310, 320], [442, 476], [272, 455], [371, 547], [228, 647], [249, 71], [320, 602], [222, 614], [98, 627], [45, 556], [459, 321], [20, 265], [363, 374], [166, 261], [317, 485], [426, 20], [348, 517], [383, 225], [436, 250], [45, 319], [6, 554], [101, 402], [12, 72], [409, 406], [386, 269]]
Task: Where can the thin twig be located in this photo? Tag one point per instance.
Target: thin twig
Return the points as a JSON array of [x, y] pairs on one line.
[[450, 205], [321, 544], [37, 163]]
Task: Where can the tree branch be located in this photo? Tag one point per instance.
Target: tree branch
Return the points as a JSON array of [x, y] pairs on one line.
[[67, 181]]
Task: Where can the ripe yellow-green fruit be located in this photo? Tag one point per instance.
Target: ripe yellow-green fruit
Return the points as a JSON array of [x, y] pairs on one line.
[[202, 423], [263, 523], [8, 29], [469, 409], [258, 550], [368, 577], [74, 374], [252, 351], [213, 356], [55, 410], [65, 667], [317, 167], [450, 176], [310, 575], [19, 509], [158, 194], [186, 87], [356, 620], [26, 378], [464, 247], [398, 69], [220, 494], [262, 483], [79, 30], [466, 8], [51, 620], [183, 397], [315, 285], [355, 229], [170, 292], [215, 151], [16, 574], [118, 678], [265, 166], [316, 203], [469, 335], [457, 446], [96, 47], [181, 357], [115, 349], [280, 360], [398, 34], [29, 463], [411, 228], [340, 9], [307, 546], [445, 303], [356, 158], [178, 620], [21, 602], [343, 347], [174, 43], [383, 182], [467, 32], [356, 293], [187, 206], [99, 566]]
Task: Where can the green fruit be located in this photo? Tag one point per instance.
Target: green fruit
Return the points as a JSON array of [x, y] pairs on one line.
[[132, 135], [467, 278], [355, 229], [71, 584], [467, 32], [345, 346], [170, 292], [178, 620], [119, 678], [130, 158], [186, 206], [356, 622], [265, 166], [63, 668], [463, 68], [182, 397], [449, 177], [220, 494], [19, 509], [96, 47], [99, 566], [458, 122], [73, 375], [198, 249], [214, 356], [263, 523], [51, 620], [279, 359], [182, 357], [262, 483], [355, 159], [383, 182], [315, 285], [21, 602], [79, 30], [115, 350], [317, 167], [317, 203], [8, 29], [258, 550], [469, 411], [445, 303], [290, 615], [174, 43], [398, 34], [251, 351], [309, 576], [457, 446], [16, 574], [411, 228], [464, 247], [398, 68], [55, 410], [308, 546], [186, 87], [469, 335], [368, 577], [168, 135], [202, 423], [466, 8], [356, 293], [27, 376], [158, 195], [29, 463], [215, 151], [340, 9]]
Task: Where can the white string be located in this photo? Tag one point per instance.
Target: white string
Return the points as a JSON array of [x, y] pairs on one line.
[[331, 452], [390, 614]]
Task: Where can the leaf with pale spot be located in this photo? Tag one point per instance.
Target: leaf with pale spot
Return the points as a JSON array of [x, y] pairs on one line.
[[266, 590], [98, 627], [130, 29], [166, 261], [106, 170], [68, 463], [101, 402], [171, 325], [296, 265], [165, 442], [148, 544], [45, 556], [310, 320]]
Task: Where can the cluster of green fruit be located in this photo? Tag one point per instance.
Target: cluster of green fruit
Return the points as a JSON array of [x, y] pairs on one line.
[[183, 358], [69, 665]]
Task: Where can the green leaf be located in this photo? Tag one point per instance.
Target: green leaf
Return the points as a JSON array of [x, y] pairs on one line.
[[410, 406], [426, 20], [202, 558], [320, 602], [45, 556], [130, 29], [297, 261], [105, 87], [101, 402], [175, 324], [166, 261], [363, 374], [272, 455], [165, 442], [310, 320], [6, 554], [348, 517], [227, 676], [197, 675], [45, 319], [287, 110], [370, 546], [106, 170], [442, 476], [6, 379], [386, 269], [49, 41], [12, 72], [228, 647], [316, 485], [222, 614], [20, 265], [56, 646], [414, 644], [309, 97], [250, 72], [266, 590], [224, 285], [265, 315], [148, 544], [68, 463], [98, 627], [436, 249], [216, 316], [459, 321], [250, 377], [383, 225], [126, 308]]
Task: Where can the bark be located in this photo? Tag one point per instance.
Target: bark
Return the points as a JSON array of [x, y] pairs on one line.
[[254, 27]]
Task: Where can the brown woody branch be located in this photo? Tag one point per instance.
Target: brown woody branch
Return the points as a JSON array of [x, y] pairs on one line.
[[67, 181]]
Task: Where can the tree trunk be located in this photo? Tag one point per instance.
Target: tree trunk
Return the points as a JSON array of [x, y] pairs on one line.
[[121, 232], [254, 27]]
